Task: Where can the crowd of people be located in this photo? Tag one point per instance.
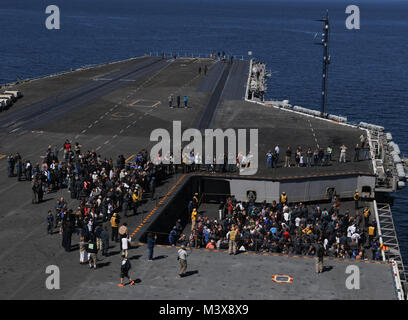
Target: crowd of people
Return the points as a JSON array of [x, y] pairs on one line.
[[17, 167], [287, 228], [314, 157], [104, 189]]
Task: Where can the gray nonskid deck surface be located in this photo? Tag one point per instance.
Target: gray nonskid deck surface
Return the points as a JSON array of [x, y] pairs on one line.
[[235, 86], [26, 250], [213, 75], [53, 86], [137, 107], [217, 275], [291, 129], [52, 108]]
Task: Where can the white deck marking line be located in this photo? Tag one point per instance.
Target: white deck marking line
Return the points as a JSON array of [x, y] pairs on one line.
[[314, 134], [114, 136], [15, 130], [83, 131], [149, 79], [121, 101], [106, 142]]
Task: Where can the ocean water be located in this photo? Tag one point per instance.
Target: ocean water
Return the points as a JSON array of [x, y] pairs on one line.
[[368, 77]]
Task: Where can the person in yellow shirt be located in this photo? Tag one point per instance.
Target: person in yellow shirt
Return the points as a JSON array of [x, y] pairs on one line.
[[193, 218], [356, 198], [135, 201], [135, 197], [284, 198], [115, 220], [366, 214], [307, 230], [233, 236]]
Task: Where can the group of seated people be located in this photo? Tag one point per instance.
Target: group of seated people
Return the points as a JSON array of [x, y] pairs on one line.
[[289, 229]]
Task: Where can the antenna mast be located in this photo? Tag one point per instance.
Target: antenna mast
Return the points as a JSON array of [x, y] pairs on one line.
[[326, 61]]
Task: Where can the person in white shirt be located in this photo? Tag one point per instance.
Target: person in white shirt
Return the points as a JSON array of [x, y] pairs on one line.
[[94, 177], [325, 243], [297, 221], [182, 258], [350, 230], [286, 216], [355, 236], [125, 245], [244, 161]]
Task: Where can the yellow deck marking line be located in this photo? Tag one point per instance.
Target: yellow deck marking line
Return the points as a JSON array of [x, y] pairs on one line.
[[3, 156], [133, 102], [289, 278], [158, 205], [130, 158]]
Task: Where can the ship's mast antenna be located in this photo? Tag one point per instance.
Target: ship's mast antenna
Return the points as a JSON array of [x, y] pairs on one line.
[[326, 60]]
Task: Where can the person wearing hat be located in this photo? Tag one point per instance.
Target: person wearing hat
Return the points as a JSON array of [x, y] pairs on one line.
[[123, 233], [182, 258]]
